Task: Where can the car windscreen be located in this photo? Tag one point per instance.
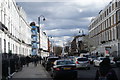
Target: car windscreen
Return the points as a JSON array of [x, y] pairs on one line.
[[65, 62], [82, 59]]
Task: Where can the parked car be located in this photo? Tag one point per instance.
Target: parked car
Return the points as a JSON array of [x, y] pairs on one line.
[[97, 61], [112, 62], [100, 59], [64, 69], [82, 62], [118, 62], [49, 62], [70, 57], [91, 59]]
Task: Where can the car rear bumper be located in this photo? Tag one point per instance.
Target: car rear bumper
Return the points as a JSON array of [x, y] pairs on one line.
[[82, 66], [65, 74]]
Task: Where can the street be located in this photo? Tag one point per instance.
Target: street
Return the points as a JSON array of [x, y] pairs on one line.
[[90, 74], [84, 74], [53, 39]]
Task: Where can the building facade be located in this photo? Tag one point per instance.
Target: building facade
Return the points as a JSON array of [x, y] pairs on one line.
[[35, 40], [104, 30], [79, 45], [40, 41], [44, 44], [15, 32]]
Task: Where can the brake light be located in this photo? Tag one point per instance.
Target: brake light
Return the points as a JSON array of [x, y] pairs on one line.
[[77, 62], [57, 69]]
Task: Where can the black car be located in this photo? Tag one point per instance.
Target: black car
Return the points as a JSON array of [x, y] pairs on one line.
[[49, 62], [63, 69]]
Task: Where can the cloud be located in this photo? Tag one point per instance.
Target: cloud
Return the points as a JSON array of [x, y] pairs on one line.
[[59, 41], [63, 18], [65, 32]]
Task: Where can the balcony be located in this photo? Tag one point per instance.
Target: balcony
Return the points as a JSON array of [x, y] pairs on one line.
[[34, 28], [34, 45], [34, 32], [34, 39]]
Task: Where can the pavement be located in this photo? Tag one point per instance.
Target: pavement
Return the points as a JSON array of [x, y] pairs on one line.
[[32, 73]]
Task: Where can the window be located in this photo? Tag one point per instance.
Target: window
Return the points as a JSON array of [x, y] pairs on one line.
[[100, 17], [107, 35], [118, 16], [113, 6], [114, 18], [119, 4], [4, 46], [13, 47], [116, 4], [8, 46], [107, 23], [16, 50], [113, 34], [0, 45], [107, 11], [19, 50], [110, 9], [110, 34], [9, 4], [23, 50], [110, 21], [104, 36]]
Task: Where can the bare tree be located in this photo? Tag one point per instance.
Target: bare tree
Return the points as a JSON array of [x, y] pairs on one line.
[[57, 50]]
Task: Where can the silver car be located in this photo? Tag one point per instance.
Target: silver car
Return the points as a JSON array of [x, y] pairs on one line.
[[82, 62]]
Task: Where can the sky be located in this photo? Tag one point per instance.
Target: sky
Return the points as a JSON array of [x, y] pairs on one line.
[[64, 19]]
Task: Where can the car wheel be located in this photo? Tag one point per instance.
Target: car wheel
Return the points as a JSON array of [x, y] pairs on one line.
[[51, 74], [54, 79]]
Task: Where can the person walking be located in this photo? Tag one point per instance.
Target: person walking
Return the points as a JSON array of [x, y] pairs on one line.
[[105, 71], [35, 61], [27, 61], [40, 59]]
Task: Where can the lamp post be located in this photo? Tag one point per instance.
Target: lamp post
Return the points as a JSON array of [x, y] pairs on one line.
[[39, 22]]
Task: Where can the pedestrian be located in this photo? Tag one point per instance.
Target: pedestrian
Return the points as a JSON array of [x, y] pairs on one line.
[[27, 61], [40, 59], [35, 61], [105, 71]]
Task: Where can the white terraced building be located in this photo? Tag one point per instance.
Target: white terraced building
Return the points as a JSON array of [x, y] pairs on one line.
[[104, 30], [15, 32]]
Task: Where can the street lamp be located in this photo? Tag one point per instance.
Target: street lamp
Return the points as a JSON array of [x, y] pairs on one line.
[[39, 22]]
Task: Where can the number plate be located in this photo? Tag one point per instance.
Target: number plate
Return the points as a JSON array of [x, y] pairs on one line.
[[66, 68]]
